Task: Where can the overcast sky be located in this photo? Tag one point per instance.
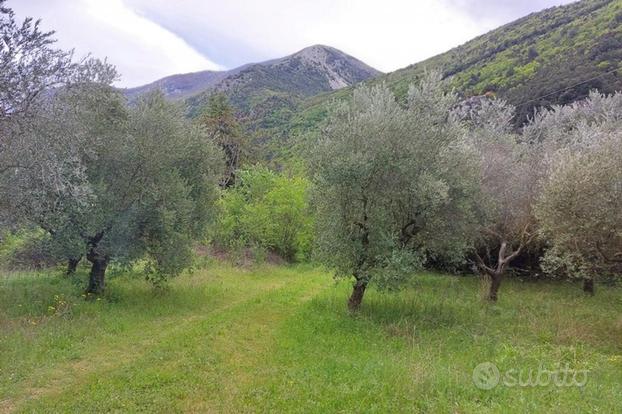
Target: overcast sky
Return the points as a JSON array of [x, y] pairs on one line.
[[149, 39]]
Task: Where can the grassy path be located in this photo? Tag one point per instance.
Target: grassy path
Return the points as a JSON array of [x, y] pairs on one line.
[[279, 339], [208, 350]]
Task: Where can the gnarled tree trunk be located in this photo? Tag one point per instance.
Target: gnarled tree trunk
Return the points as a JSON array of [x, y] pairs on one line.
[[99, 263], [497, 272], [358, 290], [495, 283], [72, 265]]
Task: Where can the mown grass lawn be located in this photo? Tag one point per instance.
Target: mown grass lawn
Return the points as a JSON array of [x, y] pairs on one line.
[[279, 339]]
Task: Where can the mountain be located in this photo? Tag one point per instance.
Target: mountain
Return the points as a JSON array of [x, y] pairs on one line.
[[555, 56], [181, 86], [266, 93]]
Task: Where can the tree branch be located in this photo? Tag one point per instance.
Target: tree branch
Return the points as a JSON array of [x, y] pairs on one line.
[[482, 265]]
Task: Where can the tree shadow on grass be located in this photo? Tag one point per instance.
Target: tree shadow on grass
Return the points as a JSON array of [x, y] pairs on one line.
[[431, 302], [432, 305]]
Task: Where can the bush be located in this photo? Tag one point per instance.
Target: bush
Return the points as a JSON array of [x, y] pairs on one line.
[[266, 210], [26, 249]]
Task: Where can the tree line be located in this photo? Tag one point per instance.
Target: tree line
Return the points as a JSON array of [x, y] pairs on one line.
[[439, 181], [387, 187]]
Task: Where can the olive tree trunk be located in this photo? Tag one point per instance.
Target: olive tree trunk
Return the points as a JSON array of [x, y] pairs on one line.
[[588, 286], [72, 265], [495, 284], [358, 290], [97, 276], [496, 273]]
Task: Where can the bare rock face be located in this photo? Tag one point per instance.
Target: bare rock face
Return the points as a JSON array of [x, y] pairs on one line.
[[340, 69]]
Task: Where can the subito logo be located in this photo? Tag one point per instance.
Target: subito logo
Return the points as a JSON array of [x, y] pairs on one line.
[[486, 376]]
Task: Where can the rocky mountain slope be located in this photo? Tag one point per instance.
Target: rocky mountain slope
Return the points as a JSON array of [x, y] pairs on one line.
[[267, 93]]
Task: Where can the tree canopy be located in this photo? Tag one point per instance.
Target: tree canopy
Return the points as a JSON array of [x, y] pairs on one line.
[[580, 209], [393, 185], [116, 183]]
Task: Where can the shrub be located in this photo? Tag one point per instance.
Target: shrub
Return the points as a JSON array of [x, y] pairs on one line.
[[266, 210]]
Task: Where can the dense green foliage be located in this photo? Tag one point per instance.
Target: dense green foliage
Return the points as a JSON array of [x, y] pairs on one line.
[[27, 249], [278, 339], [537, 60], [268, 211]]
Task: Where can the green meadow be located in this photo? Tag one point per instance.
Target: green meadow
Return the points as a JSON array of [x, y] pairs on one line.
[[273, 338]]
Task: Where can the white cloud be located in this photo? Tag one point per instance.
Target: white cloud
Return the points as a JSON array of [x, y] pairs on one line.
[[141, 49], [387, 34], [393, 33]]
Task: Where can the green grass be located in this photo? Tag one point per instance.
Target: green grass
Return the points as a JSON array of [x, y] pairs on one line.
[[279, 339]]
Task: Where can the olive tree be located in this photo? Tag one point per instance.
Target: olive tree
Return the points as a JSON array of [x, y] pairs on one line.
[[581, 203], [29, 64], [31, 69], [555, 128], [509, 178], [393, 186], [50, 186], [32, 72], [142, 184]]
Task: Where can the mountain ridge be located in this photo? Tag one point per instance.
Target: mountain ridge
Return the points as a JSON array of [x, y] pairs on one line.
[[334, 69], [554, 56]]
